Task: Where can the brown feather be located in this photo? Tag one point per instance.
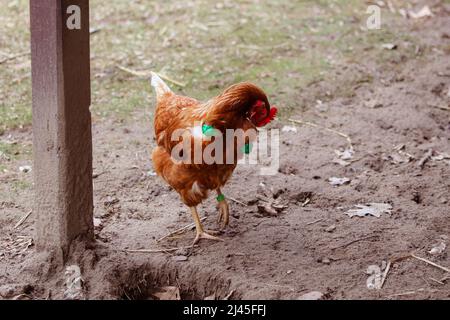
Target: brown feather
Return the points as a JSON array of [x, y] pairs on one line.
[[226, 111]]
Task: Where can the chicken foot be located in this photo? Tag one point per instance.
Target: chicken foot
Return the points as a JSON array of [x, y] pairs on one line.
[[201, 233], [224, 212]]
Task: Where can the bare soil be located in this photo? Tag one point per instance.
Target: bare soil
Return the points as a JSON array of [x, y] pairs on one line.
[[297, 250]]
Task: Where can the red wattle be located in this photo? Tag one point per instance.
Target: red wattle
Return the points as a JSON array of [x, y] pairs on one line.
[[270, 117]]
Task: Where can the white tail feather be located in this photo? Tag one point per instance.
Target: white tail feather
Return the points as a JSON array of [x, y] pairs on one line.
[[160, 86]]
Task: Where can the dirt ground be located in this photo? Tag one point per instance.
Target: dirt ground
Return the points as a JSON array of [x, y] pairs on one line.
[[312, 245]]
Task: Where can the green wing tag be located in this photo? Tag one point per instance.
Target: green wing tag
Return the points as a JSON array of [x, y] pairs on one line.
[[208, 130], [247, 148]]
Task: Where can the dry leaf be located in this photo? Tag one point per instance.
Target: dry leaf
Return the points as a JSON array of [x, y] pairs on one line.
[[74, 283], [334, 181], [422, 13], [375, 277], [438, 249], [180, 258], [97, 222], [168, 293], [347, 154], [374, 209], [343, 157], [389, 46], [211, 297], [25, 169], [440, 157]]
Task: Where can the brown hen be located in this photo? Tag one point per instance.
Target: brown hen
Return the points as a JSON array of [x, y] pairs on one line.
[[184, 126]]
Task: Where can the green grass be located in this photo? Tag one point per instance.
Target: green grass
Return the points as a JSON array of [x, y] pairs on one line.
[[9, 151], [281, 45], [20, 185]]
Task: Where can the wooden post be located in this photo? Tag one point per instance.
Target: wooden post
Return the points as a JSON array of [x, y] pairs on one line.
[[62, 140]]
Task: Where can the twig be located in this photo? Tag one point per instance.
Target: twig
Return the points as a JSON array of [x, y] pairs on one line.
[[306, 202], [22, 220], [425, 158], [14, 57], [164, 77], [96, 175], [144, 74], [407, 293], [154, 250], [240, 254], [430, 263], [354, 241], [437, 281], [386, 271], [444, 279], [313, 222], [180, 230], [311, 124], [134, 72], [23, 295], [440, 107], [229, 295], [237, 201], [95, 30]]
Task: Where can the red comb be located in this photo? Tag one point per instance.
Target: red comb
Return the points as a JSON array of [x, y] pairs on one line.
[[259, 103]]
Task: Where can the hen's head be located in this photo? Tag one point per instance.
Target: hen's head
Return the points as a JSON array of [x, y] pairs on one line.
[[261, 113], [241, 101]]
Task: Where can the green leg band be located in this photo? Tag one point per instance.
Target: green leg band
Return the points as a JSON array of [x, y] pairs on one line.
[[220, 197]]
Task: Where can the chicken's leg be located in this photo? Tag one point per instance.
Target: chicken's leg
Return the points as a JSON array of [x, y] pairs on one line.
[[224, 213], [201, 234]]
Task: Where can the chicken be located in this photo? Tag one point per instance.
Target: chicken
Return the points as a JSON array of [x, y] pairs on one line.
[[201, 126]]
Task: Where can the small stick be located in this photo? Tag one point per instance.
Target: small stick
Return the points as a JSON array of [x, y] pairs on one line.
[[311, 124], [164, 77], [14, 57], [23, 295], [425, 158], [134, 72], [154, 250], [237, 201], [229, 295], [407, 293], [95, 30], [441, 107], [437, 281], [144, 74], [430, 263], [25, 217], [313, 222], [241, 254], [354, 241], [306, 202], [180, 230], [386, 271]]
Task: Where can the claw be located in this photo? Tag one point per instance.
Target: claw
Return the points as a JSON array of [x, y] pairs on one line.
[[205, 235], [224, 214], [201, 234]]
